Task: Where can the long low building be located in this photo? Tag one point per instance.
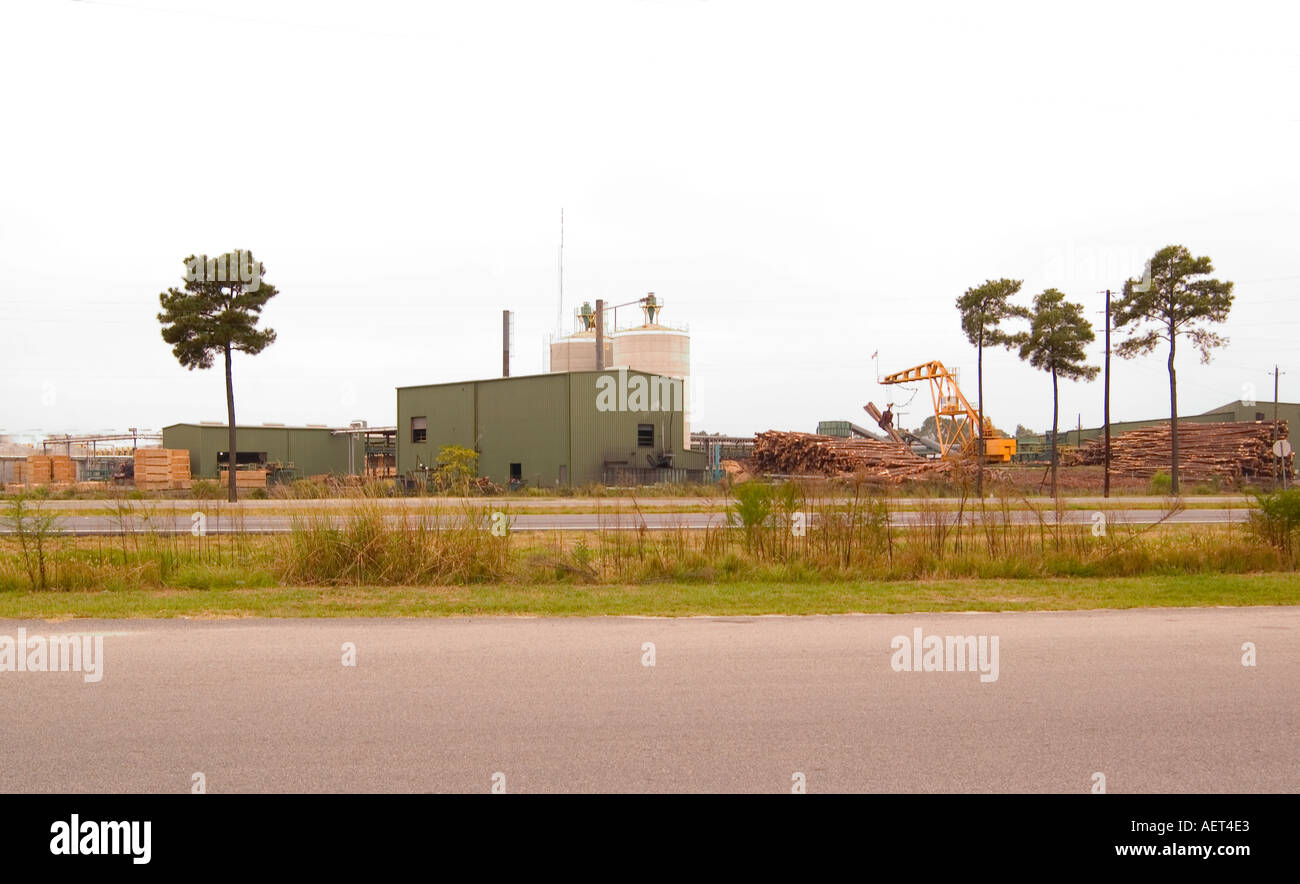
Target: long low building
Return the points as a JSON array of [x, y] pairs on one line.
[[560, 429], [1233, 411], [305, 451]]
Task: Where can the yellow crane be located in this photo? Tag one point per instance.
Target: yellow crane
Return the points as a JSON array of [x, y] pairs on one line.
[[957, 434]]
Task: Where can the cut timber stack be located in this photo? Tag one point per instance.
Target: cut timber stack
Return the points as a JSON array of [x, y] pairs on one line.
[[38, 469], [810, 454], [62, 469], [1239, 450], [159, 469], [244, 479]]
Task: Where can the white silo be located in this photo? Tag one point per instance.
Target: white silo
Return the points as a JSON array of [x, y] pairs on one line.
[[577, 352], [658, 349]]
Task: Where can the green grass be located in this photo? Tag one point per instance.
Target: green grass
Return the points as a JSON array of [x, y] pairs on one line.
[[664, 599]]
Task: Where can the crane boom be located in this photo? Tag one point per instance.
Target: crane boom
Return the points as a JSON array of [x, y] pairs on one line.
[[949, 402]]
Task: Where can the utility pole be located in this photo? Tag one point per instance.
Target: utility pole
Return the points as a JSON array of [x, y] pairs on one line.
[[1278, 462], [600, 334]]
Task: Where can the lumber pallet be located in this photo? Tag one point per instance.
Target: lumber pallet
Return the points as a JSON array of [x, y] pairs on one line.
[[159, 469], [243, 478], [39, 470], [62, 469]]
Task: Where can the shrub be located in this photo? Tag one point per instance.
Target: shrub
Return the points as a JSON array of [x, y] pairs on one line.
[[751, 511], [36, 530], [207, 489], [1277, 520], [457, 468]]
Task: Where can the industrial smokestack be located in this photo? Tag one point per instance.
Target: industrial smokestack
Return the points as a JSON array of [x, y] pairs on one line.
[[600, 335], [507, 323]]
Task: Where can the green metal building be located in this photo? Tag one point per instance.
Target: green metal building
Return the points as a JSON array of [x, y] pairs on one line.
[[1232, 411], [616, 426], [309, 451]]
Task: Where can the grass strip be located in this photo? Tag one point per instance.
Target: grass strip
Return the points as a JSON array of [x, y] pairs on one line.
[[664, 599]]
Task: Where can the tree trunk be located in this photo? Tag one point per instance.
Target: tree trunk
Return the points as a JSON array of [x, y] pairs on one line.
[[979, 430], [1054, 420], [232, 459], [1173, 419]]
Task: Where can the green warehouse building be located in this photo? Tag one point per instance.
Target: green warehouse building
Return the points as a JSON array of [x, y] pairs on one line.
[[303, 451], [616, 426], [1288, 412]]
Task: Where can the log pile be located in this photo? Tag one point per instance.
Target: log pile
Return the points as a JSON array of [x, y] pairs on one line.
[[1237, 451], [810, 454]]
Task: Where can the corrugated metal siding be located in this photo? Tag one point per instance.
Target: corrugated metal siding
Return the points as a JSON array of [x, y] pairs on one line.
[[1286, 411], [604, 438], [525, 421], [1232, 412], [185, 436], [312, 451], [543, 422], [449, 411]]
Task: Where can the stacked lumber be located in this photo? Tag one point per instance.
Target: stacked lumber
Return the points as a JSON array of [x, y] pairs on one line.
[[179, 468], [1237, 450], [244, 479], [38, 470], [158, 469], [20, 472], [810, 454], [62, 469]]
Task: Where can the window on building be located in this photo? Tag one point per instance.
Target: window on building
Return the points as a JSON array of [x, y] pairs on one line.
[[645, 435], [516, 471], [419, 429], [1259, 415]]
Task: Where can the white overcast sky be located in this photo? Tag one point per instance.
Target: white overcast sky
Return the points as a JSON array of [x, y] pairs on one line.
[[802, 183]]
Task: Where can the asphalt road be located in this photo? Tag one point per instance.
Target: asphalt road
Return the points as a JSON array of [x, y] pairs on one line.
[[1156, 700], [614, 501], [182, 522]]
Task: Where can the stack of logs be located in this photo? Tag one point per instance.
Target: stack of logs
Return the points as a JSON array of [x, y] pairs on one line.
[[1236, 451], [810, 454]]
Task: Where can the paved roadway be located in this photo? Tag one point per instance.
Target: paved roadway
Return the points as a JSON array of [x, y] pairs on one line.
[[614, 501], [182, 521], [1156, 700]]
